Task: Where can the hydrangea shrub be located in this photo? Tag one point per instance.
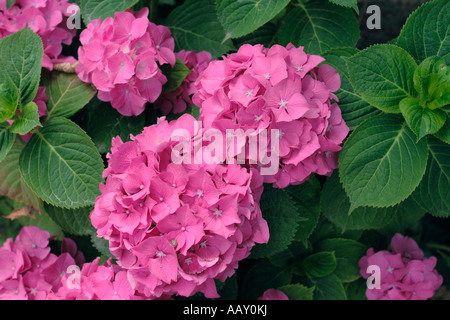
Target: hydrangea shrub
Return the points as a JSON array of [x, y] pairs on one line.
[[159, 150]]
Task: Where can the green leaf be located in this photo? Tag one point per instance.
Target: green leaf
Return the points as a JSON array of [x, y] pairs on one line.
[[295, 251], [228, 290], [61, 165], [347, 3], [336, 208], [426, 33], [73, 221], [319, 26], [328, 288], [383, 75], [262, 276], [10, 3], [326, 229], [422, 120], [408, 213], [297, 291], [444, 133], [356, 290], [432, 82], [11, 182], [9, 100], [433, 192], [175, 75], [263, 35], [66, 94], [6, 140], [348, 252], [28, 120], [381, 164], [113, 124], [195, 26], [101, 245], [21, 60], [92, 9], [282, 216], [320, 264], [239, 18], [307, 200], [353, 107]]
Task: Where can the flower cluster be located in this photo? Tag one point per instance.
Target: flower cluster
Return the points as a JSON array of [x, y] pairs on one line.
[[176, 226], [177, 100], [280, 88], [405, 274], [120, 57], [48, 18], [96, 282], [28, 271]]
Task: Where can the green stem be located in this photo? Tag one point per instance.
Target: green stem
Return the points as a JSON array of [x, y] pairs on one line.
[[438, 246]]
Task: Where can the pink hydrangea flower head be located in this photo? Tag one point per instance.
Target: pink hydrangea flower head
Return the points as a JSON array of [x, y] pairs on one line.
[[175, 226], [48, 18], [280, 88], [405, 274], [120, 57], [28, 270]]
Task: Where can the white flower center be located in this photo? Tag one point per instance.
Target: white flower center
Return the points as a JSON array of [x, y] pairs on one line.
[[249, 93], [282, 103]]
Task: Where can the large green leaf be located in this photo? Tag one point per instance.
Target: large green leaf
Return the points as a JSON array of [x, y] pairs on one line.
[[21, 60], [264, 35], [73, 221], [319, 26], [11, 182], [426, 32], [320, 264], [347, 253], [93, 9], [297, 291], [408, 213], [381, 164], [9, 100], [195, 26], [239, 18], [66, 94], [307, 200], [444, 133], [383, 75], [433, 192], [328, 288], [113, 124], [282, 216], [353, 107], [347, 3], [6, 140], [336, 207], [61, 165]]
